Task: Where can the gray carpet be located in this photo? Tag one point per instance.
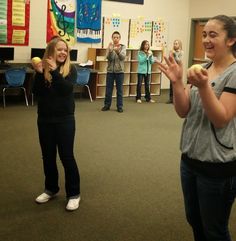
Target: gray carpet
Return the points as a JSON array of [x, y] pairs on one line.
[[129, 167]]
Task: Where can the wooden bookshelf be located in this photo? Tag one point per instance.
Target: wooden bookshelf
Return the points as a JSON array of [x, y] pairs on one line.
[[98, 56]]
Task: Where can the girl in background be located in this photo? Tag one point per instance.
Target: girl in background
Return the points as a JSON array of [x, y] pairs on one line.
[[53, 87], [177, 53], [145, 61]]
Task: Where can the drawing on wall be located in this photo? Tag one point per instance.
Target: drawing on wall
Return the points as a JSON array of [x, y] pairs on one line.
[[89, 21], [129, 1], [61, 20], [140, 30], [112, 24], [159, 33], [14, 22]]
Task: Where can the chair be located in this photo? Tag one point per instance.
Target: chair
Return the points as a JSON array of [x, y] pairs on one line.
[[15, 78], [83, 75]]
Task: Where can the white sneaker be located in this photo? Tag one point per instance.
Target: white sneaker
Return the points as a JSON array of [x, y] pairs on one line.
[[152, 101], [43, 198], [139, 101], [73, 204]]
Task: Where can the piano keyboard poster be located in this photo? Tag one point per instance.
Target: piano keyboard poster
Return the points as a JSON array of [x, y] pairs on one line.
[[89, 21], [61, 20], [111, 24]]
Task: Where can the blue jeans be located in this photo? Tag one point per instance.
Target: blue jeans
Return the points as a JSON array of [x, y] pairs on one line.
[[119, 79], [146, 78], [208, 203], [59, 136]]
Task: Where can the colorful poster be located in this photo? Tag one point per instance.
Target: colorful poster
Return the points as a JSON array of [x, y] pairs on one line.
[[61, 20], [18, 36], [18, 13], [129, 1], [159, 34], [14, 22], [140, 30], [89, 21], [111, 24], [3, 21]]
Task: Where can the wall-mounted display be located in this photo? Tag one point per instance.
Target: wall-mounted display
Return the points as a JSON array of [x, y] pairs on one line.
[[159, 33], [14, 22], [61, 20], [134, 31], [129, 1], [140, 30], [89, 21], [112, 24]]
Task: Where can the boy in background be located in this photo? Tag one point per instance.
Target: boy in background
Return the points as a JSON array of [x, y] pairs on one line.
[[115, 55]]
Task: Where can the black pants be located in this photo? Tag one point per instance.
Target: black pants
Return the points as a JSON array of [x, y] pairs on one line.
[[59, 136], [208, 202], [146, 78]]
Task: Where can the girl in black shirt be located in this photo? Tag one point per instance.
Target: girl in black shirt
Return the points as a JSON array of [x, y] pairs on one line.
[[53, 87]]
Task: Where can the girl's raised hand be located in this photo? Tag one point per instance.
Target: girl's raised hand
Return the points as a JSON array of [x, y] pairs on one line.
[[51, 63], [172, 69]]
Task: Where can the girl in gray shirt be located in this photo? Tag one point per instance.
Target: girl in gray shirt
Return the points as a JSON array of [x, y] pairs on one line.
[[208, 140]]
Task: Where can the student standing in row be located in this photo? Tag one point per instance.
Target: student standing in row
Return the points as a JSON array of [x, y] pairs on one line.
[[178, 54], [53, 87], [145, 61], [115, 55], [208, 140]]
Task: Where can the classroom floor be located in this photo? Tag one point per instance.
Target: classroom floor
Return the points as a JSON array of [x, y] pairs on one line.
[[129, 167]]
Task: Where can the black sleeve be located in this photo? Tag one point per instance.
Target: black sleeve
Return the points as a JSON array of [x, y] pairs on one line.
[[73, 74], [39, 86]]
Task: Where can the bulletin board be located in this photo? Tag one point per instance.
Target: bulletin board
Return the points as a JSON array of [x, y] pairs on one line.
[[111, 24], [140, 30], [14, 22], [159, 34]]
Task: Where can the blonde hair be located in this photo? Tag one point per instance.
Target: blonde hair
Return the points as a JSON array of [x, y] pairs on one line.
[[180, 44], [51, 52]]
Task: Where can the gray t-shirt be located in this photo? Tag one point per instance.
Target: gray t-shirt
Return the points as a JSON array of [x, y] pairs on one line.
[[198, 140], [178, 55]]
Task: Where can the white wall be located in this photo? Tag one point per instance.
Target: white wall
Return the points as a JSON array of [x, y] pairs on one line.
[[210, 8], [176, 13]]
